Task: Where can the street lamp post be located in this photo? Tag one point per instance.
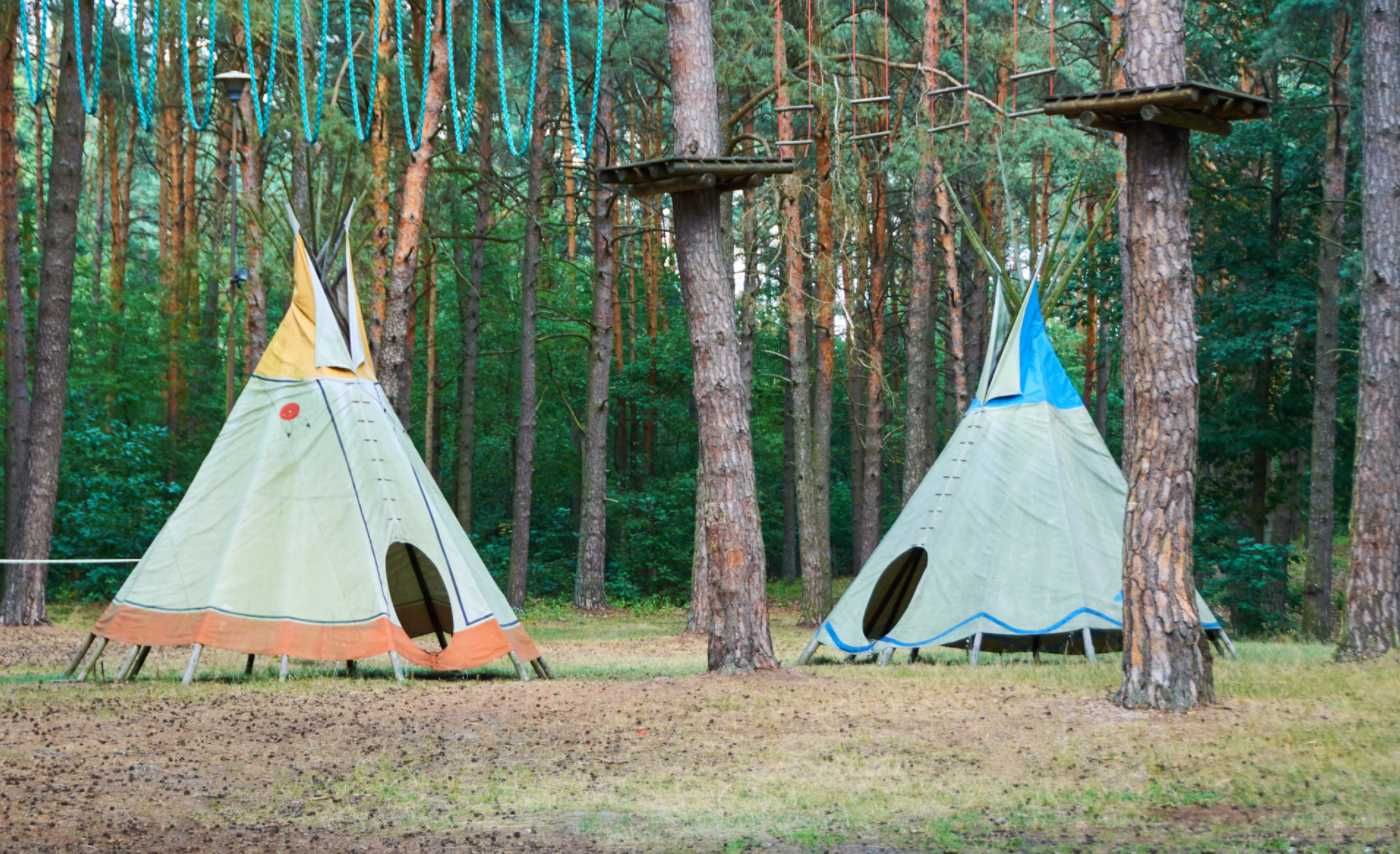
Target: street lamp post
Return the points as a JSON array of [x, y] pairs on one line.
[[233, 83]]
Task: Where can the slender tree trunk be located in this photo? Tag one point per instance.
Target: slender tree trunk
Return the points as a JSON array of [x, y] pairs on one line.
[[739, 636], [589, 587], [872, 455], [395, 358], [816, 586], [430, 364], [523, 494], [1166, 663], [1372, 618], [1318, 610], [120, 195], [99, 213], [24, 584], [251, 234], [382, 239], [16, 330]]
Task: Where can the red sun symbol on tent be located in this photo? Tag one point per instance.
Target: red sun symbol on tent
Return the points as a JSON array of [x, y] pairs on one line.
[[288, 413]]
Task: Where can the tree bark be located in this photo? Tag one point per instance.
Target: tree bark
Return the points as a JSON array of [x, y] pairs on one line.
[[816, 587], [872, 452], [739, 637], [250, 232], [395, 357], [523, 494], [382, 239], [16, 334], [1318, 610], [1372, 618], [24, 584], [1166, 663], [590, 584], [430, 284]]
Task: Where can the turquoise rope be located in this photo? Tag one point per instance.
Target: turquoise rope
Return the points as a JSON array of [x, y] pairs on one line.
[[34, 81], [411, 129], [365, 126], [312, 131], [195, 121], [529, 128], [262, 103], [462, 127], [145, 94], [99, 13], [585, 145]]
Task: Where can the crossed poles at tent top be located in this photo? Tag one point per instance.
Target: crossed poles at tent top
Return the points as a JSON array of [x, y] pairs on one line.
[[33, 40]]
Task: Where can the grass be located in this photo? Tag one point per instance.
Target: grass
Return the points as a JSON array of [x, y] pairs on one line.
[[634, 747]]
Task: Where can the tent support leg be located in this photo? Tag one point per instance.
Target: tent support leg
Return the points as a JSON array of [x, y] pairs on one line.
[[913, 655], [427, 598], [850, 659], [521, 671], [885, 655], [78, 657], [1035, 649], [1228, 645], [542, 668], [808, 651], [127, 663], [398, 666], [194, 662], [1089, 645], [282, 669], [248, 666], [976, 649], [92, 662], [139, 663], [350, 667]]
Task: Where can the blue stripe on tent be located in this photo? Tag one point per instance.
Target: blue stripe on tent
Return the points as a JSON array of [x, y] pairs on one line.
[[980, 615]]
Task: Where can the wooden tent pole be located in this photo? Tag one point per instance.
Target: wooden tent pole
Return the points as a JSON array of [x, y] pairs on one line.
[[809, 650], [427, 597], [92, 662], [1228, 645], [78, 657], [140, 663], [976, 649], [127, 663], [248, 666], [398, 666], [282, 670], [350, 667], [194, 662], [913, 655], [1089, 645], [885, 655], [541, 668], [520, 670]]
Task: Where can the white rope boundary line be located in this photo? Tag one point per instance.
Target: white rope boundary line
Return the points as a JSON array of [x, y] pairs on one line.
[[73, 560]]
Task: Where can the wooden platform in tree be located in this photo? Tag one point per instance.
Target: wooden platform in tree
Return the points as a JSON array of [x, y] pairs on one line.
[[1188, 105], [682, 174]]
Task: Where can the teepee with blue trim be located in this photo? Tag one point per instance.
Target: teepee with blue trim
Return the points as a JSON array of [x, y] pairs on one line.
[[1014, 539]]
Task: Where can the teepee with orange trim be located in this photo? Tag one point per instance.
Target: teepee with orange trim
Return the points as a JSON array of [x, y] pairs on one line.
[[313, 530]]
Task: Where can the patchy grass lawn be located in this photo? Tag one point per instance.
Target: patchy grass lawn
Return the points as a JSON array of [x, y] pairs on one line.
[[633, 747]]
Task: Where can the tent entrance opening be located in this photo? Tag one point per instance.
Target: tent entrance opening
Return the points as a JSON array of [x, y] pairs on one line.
[[893, 592], [419, 596]]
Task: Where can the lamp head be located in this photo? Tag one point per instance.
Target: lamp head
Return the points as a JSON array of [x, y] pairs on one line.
[[233, 83]]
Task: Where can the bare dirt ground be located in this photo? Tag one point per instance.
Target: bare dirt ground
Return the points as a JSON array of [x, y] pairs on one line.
[[634, 748]]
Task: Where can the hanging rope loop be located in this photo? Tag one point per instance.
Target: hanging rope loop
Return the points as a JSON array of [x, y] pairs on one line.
[[196, 122], [462, 126], [413, 130], [34, 79], [582, 142], [262, 101], [99, 12], [518, 149], [144, 88], [363, 126], [311, 129]]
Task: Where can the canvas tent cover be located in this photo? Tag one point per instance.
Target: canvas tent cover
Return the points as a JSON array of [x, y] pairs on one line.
[[1015, 532], [313, 528]]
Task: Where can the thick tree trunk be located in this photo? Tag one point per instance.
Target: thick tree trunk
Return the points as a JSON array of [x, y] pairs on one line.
[[872, 453], [816, 587], [24, 584], [1372, 618], [395, 357], [1318, 610], [523, 495], [739, 636], [382, 239], [250, 233], [1166, 663], [589, 586], [16, 336]]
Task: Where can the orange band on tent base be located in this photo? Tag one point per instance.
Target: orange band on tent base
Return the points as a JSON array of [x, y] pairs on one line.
[[480, 644]]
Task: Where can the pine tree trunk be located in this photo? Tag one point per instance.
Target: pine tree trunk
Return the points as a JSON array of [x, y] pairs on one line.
[[816, 586], [16, 337], [872, 453], [589, 588], [523, 494], [1166, 663], [1372, 618], [382, 239], [1318, 611], [24, 584], [250, 232], [395, 358], [430, 364], [739, 636]]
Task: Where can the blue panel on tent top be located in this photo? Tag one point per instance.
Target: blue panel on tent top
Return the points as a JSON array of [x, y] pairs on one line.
[[1043, 378]]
